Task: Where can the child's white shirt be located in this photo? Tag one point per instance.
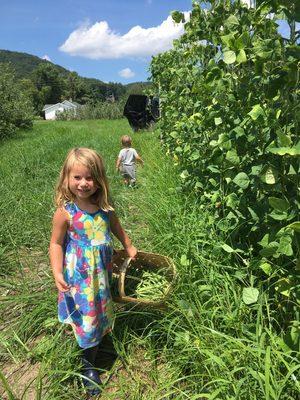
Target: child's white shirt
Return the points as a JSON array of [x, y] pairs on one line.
[[128, 156]]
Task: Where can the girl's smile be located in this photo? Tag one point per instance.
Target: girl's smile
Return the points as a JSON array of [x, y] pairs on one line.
[[81, 182]]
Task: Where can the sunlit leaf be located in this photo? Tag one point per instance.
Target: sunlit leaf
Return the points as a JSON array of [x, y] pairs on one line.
[[291, 151], [239, 131], [292, 170], [232, 157], [295, 226], [213, 168], [253, 214], [241, 57], [227, 248], [266, 267], [269, 176], [174, 134], [256, 170], [228, 40], [231, 22], [184, 174], [285, 246], [195, 156], [229, 57], [256, 112], [218, 121], [265, 240], [278, 216], [250, 295], [242, 180], [232, 200]]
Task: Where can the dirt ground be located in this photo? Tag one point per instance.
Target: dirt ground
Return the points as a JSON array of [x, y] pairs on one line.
[[24, 377]]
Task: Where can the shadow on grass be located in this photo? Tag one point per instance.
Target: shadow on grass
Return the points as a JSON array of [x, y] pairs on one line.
[[130, 322], [107, 355]]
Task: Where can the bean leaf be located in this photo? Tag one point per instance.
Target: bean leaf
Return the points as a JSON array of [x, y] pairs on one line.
[[250, 295], [242, 180]]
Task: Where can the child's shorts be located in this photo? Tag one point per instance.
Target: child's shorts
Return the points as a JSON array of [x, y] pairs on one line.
[[128, 172]]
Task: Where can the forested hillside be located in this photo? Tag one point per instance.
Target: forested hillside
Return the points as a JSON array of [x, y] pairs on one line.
[[24, 64], [48, 83]]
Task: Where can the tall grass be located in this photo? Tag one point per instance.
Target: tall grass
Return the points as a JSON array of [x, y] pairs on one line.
[[207, 345], [225, 348], [99, 110]]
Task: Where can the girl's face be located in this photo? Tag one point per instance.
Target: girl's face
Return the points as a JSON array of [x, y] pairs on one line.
[[81, 183]]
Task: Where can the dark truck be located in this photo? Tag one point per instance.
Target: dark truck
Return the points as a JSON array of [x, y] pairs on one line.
[[141, 111]]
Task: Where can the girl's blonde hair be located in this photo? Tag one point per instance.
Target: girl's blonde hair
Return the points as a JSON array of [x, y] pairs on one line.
[[91, 160]]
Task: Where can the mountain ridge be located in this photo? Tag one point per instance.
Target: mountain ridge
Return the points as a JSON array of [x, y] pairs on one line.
[[24, 64]]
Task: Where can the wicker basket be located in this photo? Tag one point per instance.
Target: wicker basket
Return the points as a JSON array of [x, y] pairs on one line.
[[121, 263]]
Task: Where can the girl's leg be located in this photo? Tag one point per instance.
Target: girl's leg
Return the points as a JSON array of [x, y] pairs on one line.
[[88, 370], [90, 354]]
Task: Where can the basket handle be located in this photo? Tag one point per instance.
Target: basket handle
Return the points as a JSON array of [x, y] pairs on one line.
[[121, 281]]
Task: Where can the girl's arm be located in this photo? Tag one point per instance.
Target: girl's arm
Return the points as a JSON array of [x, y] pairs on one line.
[[121, 235], [60, 224]]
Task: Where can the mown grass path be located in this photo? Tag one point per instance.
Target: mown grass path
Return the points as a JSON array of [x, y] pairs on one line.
[[209, 344]]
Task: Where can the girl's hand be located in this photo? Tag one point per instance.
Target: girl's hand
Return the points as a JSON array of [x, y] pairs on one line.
[[61, 284], [131, 251]]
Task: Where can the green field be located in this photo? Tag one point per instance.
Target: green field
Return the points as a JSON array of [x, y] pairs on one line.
[[208, 344]]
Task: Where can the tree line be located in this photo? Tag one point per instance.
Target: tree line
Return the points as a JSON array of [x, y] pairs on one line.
[[24, 94]]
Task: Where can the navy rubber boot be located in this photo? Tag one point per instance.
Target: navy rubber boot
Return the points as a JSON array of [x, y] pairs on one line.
[[93, 380]]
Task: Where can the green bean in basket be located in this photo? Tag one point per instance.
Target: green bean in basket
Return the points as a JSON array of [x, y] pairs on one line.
[[152, 286]]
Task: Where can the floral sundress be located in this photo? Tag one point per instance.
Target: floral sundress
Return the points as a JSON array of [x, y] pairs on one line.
[[87, 306]]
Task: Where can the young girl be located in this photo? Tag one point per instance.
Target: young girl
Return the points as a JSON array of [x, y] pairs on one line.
[[81, 253]]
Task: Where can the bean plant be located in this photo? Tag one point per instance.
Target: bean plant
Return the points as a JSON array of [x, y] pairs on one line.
[[229, 92]]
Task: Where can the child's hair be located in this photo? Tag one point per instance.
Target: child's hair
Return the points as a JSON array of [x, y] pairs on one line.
[[126, 140], [91, 160]]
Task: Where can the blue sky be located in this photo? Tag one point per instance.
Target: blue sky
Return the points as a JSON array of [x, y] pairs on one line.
[[102, 43], [104, 39]]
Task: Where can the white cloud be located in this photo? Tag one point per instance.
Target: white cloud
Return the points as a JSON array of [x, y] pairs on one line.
[[126, 73], [46, 57], [100, 41]]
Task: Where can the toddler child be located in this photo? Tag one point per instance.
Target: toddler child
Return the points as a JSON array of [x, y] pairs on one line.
[[126, 161], [81, 254]]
